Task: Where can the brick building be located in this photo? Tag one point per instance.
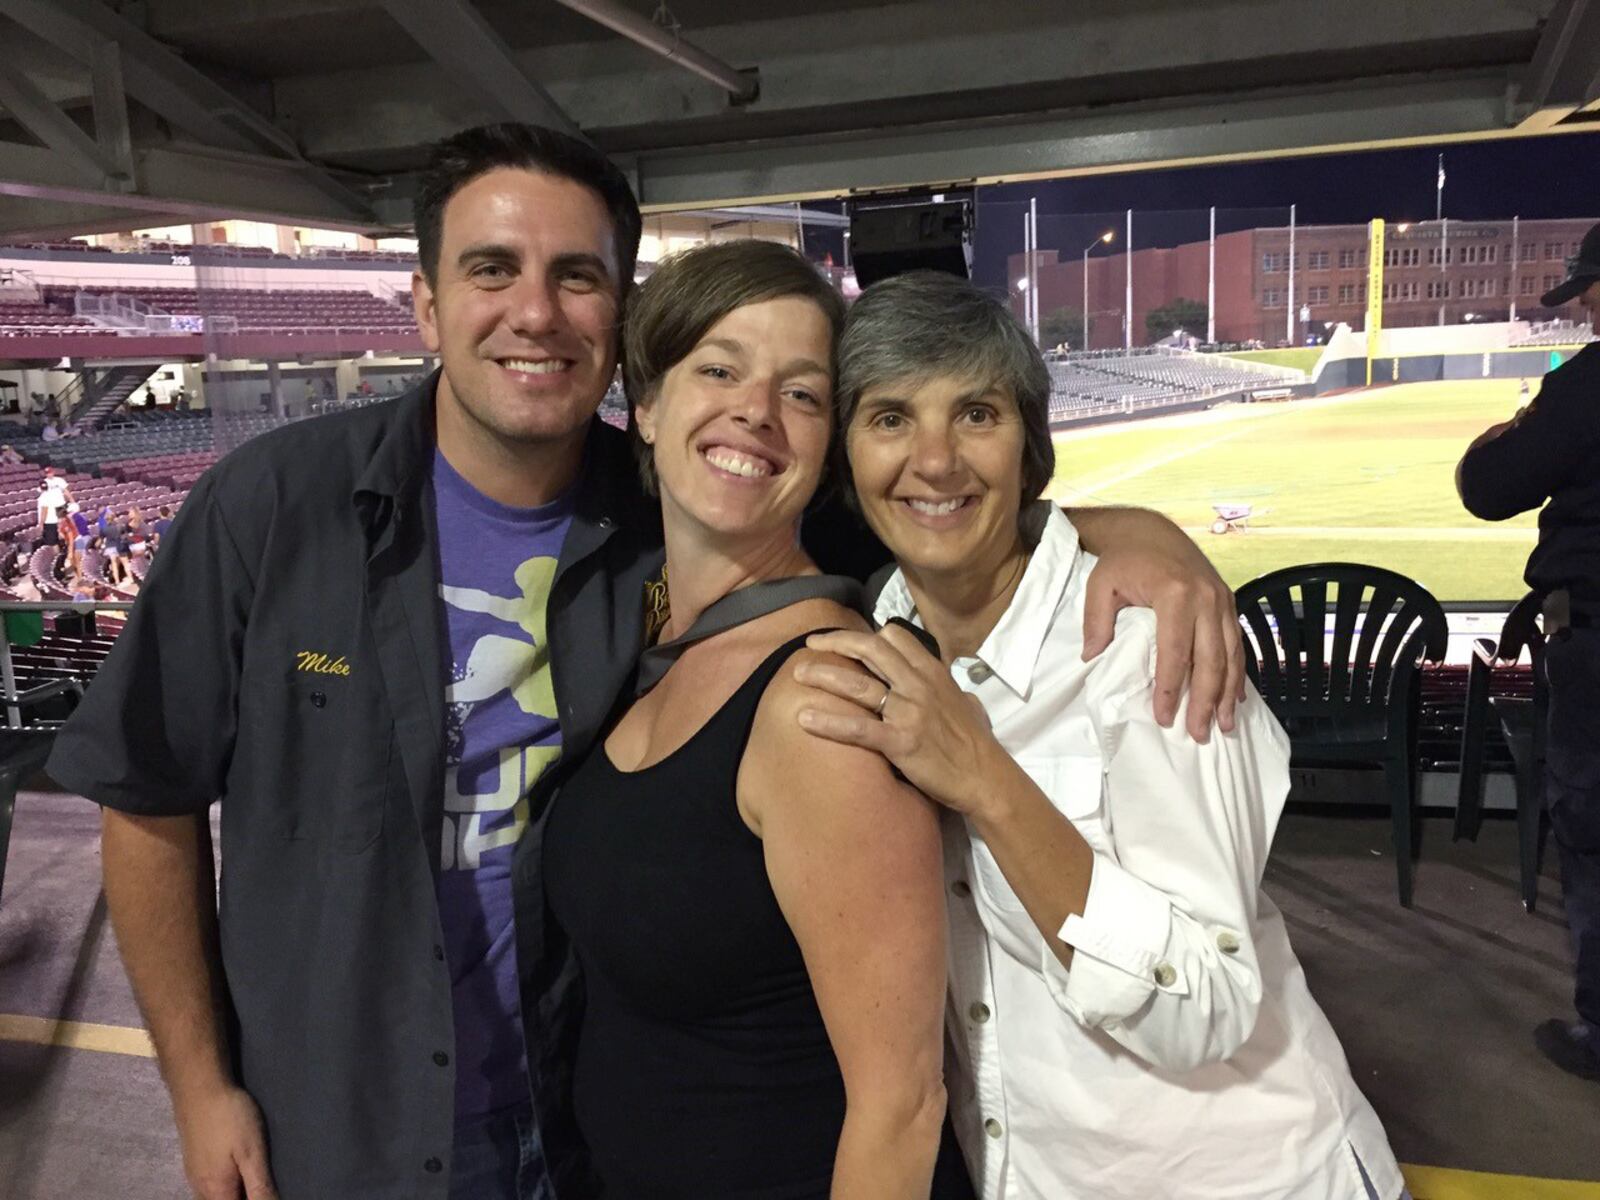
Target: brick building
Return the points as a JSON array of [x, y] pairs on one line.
[[1479, 278]]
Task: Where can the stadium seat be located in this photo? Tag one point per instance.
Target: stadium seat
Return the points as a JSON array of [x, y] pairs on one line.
[[23, 751], [1522, 722], [1354, 701]]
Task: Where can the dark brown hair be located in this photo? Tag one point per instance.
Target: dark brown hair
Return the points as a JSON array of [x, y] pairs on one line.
[[457, 160]]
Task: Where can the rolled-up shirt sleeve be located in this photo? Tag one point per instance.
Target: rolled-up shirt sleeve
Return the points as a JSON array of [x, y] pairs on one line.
[[1163, 958]]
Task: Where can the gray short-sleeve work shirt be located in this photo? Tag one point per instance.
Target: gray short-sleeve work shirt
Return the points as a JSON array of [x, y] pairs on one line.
[[287, 658]]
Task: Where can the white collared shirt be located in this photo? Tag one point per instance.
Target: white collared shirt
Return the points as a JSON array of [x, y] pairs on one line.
[[1181, 1055]]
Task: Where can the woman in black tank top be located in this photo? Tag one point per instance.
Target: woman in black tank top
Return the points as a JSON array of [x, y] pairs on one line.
[[758, 914]]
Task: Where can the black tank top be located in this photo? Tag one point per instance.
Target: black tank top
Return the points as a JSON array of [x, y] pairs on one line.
[[703, 1067]]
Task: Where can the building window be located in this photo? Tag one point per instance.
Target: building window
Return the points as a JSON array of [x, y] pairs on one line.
[[1472, 289], [1530, 252], [1350, 258], [1402, 291], [1550, 281], [1352, 293], [1433, 255], [1273, 263], [1317, 295], [1317, 260], [1438, 289], [1477, 255], [1272, 298], [1525, 285], [1552, 252], [1409, 256]]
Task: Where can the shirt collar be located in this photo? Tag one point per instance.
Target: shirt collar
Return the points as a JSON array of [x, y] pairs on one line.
[[403, 455], [607, 492], [1013, 646]]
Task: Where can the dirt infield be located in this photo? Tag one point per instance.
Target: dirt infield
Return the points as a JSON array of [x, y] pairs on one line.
[[1366, 476]]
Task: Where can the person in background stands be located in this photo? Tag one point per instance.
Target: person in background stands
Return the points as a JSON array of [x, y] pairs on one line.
[[163, 521], [52, 503], [1550, 451]]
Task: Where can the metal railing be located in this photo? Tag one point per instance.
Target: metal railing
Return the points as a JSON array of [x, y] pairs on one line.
[[9, 696]]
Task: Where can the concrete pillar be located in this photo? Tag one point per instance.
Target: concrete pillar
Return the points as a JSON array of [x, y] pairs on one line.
[[275, 387], [194, 382], [346, 377]]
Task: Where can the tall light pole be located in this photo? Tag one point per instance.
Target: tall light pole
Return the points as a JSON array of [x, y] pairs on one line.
[[1105, 239], [1127, 300], [1444, 240]]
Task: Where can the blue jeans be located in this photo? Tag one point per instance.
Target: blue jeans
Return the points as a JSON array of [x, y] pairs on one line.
[[498, 1157]]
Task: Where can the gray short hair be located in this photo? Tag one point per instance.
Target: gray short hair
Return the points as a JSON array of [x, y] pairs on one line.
[[928, 324]]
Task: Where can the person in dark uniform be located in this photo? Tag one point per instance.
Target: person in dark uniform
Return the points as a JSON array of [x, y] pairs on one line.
[[1551, 451]]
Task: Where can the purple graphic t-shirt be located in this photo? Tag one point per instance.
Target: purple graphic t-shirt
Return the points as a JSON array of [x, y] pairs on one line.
[[501, 733]]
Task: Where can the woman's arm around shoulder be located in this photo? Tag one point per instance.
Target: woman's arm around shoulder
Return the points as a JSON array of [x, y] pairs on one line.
[[855, 862]]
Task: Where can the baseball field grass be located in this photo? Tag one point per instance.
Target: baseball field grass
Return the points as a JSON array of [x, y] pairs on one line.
[[1361, 477]]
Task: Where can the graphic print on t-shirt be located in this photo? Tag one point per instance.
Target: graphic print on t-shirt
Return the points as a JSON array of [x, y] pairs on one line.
[[499, 667], [496, 566]]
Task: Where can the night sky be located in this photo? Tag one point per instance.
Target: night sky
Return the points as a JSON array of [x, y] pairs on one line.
[[1555, 176]]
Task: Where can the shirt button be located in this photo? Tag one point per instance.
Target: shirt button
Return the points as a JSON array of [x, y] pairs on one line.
[[1165, 975], [960, 888], [441, 1059], [1228, 941], [993, 1128], [438, 953], [433, 1166], [979, 1011], [318, 699], [978, 672]]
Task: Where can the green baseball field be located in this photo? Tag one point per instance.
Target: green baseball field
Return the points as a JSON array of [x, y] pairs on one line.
[[1362, 477]]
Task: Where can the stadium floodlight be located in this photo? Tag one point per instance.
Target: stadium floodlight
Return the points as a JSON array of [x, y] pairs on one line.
[[1402, 227], [1022, 284], [1105, 238]]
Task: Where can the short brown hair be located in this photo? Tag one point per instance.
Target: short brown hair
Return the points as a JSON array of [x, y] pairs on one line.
[[687, 294]]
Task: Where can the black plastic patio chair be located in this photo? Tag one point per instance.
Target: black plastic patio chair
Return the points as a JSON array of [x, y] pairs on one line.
[[1522, 722], [1349, 696], [23, 751]]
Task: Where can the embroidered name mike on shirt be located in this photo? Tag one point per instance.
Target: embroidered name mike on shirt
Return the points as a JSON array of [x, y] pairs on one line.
[[321, 664]]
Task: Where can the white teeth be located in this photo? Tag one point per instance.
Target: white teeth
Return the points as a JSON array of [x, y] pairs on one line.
[[939, 509], [543, 366], [737, 464]]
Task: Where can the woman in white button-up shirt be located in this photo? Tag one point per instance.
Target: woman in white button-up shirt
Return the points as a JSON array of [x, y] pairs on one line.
[[1127, 1018]]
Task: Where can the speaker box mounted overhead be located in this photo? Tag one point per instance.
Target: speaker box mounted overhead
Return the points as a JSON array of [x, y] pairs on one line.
[[893, 239]]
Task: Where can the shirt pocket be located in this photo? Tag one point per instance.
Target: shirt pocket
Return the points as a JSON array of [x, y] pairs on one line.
[[334, 767], [1075, 785]]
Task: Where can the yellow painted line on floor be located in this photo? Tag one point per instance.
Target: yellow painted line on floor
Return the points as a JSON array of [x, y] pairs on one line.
[[1426, 1183], [1445, 1183], [76, 1035]]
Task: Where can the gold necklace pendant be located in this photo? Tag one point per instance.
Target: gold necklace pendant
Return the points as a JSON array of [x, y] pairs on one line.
[[657, 607]]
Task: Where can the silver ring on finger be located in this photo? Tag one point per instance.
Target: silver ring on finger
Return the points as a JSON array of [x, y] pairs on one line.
[[887, 692]]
